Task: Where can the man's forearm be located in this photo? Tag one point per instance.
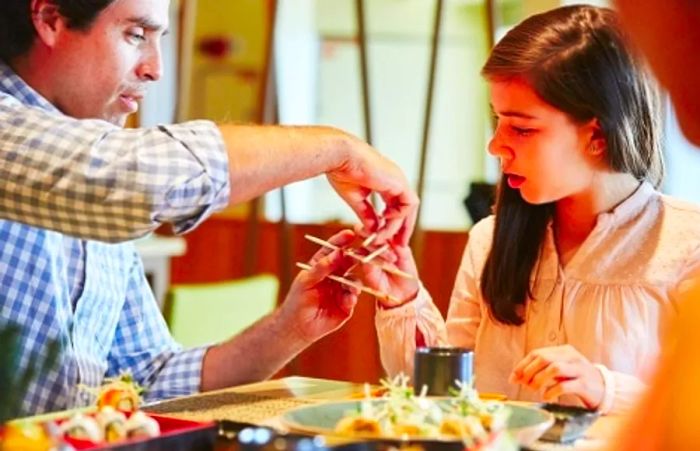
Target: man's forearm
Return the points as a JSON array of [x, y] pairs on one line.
[[254, 355], [265, 158]]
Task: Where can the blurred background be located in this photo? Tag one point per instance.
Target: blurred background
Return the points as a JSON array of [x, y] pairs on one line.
[[401, 74]]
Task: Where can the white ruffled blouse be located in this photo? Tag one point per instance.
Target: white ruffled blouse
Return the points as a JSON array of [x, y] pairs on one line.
[[609, 302]]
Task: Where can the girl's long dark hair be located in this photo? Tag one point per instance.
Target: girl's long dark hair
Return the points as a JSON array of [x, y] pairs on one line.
[[576, 58]]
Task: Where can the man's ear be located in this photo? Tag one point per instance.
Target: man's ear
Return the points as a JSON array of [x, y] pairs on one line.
[[597, 144], [47, 21]]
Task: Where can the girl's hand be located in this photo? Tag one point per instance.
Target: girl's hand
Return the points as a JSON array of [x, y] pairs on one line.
[[560, 370], [400, 288]]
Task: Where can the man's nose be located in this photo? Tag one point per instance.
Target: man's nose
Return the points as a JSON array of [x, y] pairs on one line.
[[151, 67]]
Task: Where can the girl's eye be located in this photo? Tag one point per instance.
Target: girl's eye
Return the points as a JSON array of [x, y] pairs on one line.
[[522, 131]]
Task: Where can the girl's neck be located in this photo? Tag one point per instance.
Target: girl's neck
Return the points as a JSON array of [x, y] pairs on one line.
[[576, 216]]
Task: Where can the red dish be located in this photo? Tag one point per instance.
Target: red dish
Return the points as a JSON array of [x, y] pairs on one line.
[[175, 434]]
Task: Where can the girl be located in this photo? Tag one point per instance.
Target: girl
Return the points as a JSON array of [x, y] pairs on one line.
[[562, 293]]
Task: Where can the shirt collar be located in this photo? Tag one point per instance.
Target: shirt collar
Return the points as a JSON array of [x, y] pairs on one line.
[[13, 85], [630, 208]]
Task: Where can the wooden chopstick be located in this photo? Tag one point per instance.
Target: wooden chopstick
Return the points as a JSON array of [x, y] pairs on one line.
[[369, 240], [359, 286], [374, 254], [388, 268]]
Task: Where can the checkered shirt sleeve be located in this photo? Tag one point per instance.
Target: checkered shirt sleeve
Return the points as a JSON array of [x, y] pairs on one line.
[[143, 346], [93, 180]]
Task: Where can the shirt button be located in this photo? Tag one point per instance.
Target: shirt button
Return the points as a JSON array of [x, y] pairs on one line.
[[552, 336]]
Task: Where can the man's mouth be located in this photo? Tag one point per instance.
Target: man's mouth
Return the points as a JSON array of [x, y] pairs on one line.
[[130, 102]]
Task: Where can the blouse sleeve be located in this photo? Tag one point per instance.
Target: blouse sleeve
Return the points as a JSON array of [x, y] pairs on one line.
[[396, 331], [396, 328], [622, 391], [464, 314]]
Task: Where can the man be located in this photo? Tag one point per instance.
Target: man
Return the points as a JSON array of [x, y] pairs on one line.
[[72, 72], [99, 181], [669, 35]]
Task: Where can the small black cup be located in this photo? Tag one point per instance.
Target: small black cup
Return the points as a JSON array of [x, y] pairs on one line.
[[439, 368]]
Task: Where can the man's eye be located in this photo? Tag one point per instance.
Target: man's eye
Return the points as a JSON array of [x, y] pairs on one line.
[[136, 36]]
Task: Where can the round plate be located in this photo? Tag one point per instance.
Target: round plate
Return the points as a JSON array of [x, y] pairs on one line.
[[526, 424]]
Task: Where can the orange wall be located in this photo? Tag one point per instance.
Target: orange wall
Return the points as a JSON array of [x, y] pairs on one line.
[[215, 253]]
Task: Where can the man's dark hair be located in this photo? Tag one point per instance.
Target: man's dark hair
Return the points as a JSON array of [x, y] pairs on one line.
[[17, 32]]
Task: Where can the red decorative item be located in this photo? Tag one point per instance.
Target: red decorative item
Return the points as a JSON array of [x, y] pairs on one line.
[[217, 47]]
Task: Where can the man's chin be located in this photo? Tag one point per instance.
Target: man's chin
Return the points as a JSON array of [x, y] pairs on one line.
[[121, 120]]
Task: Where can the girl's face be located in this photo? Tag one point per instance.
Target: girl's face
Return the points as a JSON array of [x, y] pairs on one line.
[[543, 152]]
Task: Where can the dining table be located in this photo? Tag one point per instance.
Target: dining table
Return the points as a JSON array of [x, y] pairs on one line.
[[264, 403]]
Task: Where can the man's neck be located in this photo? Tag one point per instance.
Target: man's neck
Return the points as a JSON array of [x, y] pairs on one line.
[[27, 68]]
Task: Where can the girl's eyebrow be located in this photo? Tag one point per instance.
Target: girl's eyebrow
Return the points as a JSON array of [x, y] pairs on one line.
[[516, 114], [512, 113]]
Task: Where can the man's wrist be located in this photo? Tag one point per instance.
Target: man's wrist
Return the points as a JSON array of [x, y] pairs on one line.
[[341, 148], [287, 328]]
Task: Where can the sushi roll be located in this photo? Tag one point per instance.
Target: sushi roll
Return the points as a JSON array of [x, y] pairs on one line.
[[121, 394], [112, 423], [119, 398], [141, 425], [82, 427]]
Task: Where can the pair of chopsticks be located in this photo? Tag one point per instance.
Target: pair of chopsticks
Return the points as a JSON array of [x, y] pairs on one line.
[[364, 260], [351, 283]]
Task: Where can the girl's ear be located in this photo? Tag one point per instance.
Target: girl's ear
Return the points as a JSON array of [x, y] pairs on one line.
[[47, 21], [597, 145]]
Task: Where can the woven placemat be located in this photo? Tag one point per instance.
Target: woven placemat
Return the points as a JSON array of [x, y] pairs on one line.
[[245, 407]]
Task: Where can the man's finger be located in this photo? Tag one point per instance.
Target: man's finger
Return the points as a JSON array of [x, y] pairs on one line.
[[340, 239], [358, 199], [335, 262], [400, 216]]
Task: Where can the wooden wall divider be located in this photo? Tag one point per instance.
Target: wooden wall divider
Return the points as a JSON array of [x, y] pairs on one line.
[[215, 253]]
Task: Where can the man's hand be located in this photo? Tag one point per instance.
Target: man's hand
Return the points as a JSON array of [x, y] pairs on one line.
[[316, 305], [366, 171], [560, 370]]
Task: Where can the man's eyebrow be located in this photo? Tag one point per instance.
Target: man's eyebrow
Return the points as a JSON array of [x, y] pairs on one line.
[[147, 24]]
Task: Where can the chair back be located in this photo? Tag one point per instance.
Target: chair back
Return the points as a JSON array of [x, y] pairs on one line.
[[207, 313]]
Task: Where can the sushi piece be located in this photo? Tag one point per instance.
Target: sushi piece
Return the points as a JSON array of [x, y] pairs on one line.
[[121, 393], [141, 425], [112, 423], [82, 427]]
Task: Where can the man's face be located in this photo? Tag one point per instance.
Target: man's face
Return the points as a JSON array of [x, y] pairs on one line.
[[103, 72], [668, 33]]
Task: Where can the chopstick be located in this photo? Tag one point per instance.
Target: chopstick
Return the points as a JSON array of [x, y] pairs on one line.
[[374, 254], [388, 268], [348, 282], [369, 239]]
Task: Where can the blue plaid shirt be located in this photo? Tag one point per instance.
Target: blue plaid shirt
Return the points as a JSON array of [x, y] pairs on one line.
[[92, 296], [91, 179]]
